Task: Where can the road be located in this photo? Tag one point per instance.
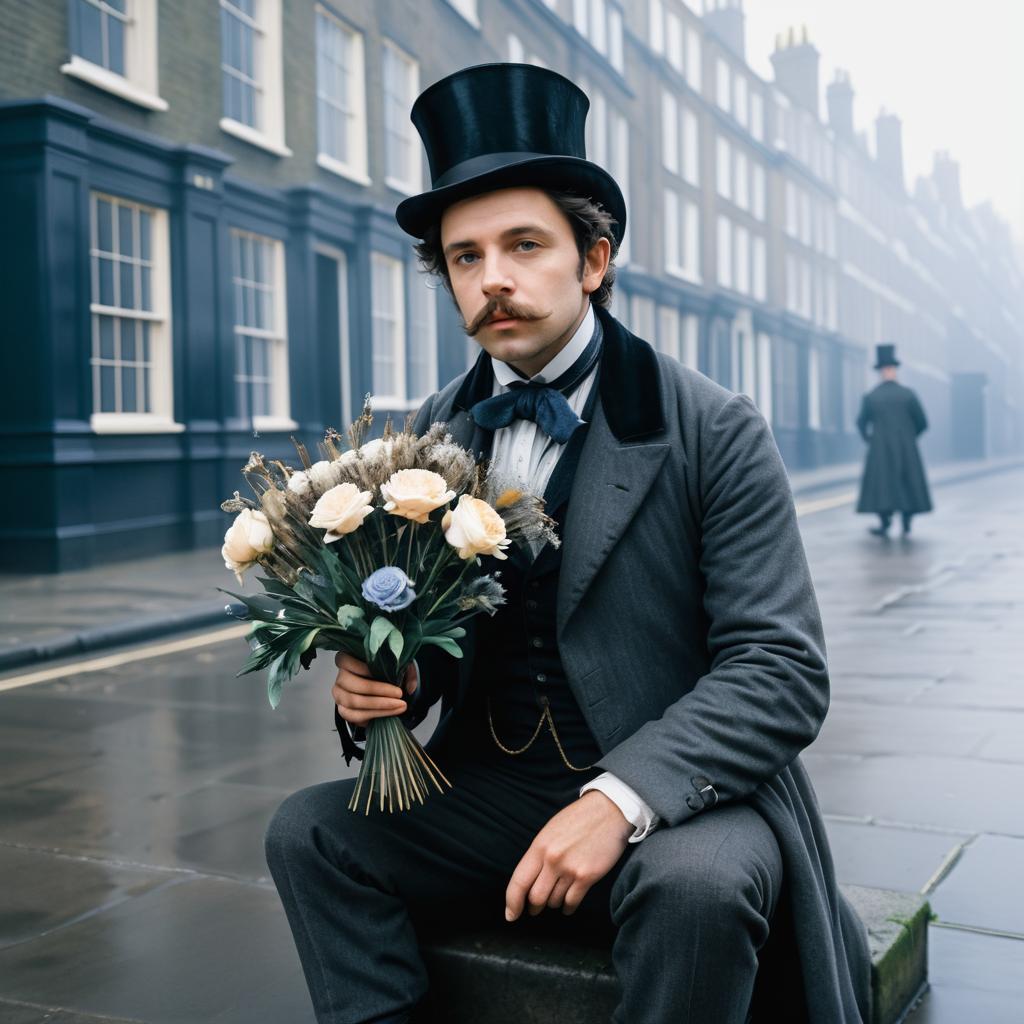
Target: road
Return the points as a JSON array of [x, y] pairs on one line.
[[135, 788]]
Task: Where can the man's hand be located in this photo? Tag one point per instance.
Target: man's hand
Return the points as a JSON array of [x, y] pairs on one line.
[[572, 852], [360, 698]]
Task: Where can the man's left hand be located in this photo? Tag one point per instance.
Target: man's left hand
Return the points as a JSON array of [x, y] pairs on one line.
[[572, 852]]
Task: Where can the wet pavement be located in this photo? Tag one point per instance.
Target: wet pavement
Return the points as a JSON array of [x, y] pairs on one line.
[[133, 799]]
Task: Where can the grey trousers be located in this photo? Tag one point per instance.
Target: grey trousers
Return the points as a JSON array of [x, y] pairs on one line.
[[688, 908]]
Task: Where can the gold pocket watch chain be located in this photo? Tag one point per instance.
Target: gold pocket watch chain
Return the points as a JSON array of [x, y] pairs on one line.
[[545, 714]]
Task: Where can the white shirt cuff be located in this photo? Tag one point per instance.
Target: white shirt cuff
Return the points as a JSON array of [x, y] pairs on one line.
[[633, 808]]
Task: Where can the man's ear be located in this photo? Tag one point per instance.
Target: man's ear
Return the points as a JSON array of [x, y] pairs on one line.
[[596, 265]]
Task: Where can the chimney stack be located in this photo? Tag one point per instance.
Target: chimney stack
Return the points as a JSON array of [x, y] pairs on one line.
[[889, 148], [946, 174], [796, 69], [840, 104], [726, 19]]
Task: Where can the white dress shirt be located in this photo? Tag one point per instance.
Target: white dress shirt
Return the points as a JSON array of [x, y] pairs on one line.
[[523, 450]]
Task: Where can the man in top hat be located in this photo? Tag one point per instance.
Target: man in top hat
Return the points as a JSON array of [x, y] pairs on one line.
[[891, 419], [623, 735]]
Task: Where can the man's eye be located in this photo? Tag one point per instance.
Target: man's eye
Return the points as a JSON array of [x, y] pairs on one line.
[[462, 256], [526, 241]]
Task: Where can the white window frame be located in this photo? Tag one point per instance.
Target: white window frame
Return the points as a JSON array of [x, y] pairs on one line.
[[467, 8], [757, 115], [764, 375], [741, 263], [422, 329], [693, 59], [674, 42], [691, 241], [740, 92], [279, 417], [160, 420], [404, 128], [353, 120], [381, 263], [742, 180], [723, 167], [691, 147], [656, 26], [723, 252], [642, 317], [268, 132], [690, 354], [813, 389], [669, 331], [681, 237], [759, 255], [140, 82], [758, 183], [723, 84], [669, 132], [344, 342]]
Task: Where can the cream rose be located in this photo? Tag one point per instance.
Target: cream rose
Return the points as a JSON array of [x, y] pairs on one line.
[[248, 537], [340, 510], [415, 493], [475, 529]]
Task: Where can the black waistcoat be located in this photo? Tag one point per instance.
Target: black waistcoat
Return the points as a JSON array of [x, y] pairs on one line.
[[517, 664]]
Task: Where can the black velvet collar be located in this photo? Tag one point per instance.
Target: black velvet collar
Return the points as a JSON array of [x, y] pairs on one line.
[[629, 382]]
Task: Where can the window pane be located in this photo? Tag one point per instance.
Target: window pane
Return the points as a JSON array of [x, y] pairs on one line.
[[144, 354], [145, 229], [147, 402], [129, 379], [108, 402], [104, 218], [146, 298], [127, 341], [127, 296], [115, 45], [106, 332], [90, 32], [106, 276]]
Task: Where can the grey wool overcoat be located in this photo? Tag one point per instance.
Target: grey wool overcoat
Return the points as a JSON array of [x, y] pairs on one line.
[[688, 627], [890, 420]]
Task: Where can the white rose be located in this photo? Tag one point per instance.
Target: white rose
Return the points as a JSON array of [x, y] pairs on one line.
[[415, 493], [248, 537], [340, 510], [323, 476], [475, 529], [298, 483]]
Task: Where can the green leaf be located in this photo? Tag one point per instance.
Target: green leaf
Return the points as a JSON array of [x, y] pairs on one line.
[[456, 632], [259, 606], [307, 640], [445, 643], [396, 642], [379, 632]]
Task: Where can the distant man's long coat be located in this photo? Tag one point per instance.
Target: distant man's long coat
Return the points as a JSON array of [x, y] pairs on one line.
[[689, 630], [891, 419]]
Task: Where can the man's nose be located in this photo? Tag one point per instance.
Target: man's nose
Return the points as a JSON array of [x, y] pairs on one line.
[[495, 279]]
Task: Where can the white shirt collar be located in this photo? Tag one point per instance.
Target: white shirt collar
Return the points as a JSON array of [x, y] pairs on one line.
[[505, 375]]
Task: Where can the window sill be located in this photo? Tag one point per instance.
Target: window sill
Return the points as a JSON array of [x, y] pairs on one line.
[[683, 275], [132, 423], [111, 82], [328, 163], [273, 424], [253, 137]]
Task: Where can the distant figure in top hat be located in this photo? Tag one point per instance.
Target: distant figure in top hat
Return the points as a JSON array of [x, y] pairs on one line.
[[890, 420], [623, 736]]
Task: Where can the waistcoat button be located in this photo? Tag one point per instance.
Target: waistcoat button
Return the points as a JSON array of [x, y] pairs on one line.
[[537, 642]]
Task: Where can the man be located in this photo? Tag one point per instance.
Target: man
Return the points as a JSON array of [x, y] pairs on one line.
[[890, 421], [622, 736]]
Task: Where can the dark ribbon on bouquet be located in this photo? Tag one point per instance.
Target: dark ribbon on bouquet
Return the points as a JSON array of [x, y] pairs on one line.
[[544, 403]]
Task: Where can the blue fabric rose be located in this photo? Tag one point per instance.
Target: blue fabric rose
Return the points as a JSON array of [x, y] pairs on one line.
[[389, 588]]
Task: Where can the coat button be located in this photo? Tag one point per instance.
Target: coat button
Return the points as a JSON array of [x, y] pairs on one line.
[[694, 802], [541, 678], [699, 782], [537, 642], [531, 604]]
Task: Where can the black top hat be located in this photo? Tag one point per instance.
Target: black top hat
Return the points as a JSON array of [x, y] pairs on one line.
[[885, 355], [501, 126]]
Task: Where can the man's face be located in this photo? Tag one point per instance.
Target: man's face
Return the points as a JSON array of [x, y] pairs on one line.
[[514, 270]]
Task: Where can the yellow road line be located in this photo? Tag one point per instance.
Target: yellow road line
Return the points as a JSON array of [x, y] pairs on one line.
[[126, 657], [806, 508]]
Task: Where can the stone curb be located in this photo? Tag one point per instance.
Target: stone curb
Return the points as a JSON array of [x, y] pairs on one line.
[[492, 977]]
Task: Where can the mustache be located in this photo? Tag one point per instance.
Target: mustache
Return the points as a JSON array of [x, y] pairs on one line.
[[507, 308]]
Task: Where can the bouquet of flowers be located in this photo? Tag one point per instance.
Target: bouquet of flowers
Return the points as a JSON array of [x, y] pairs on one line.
[[365, 553]]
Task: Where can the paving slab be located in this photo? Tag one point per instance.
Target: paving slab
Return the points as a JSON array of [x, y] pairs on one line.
[[208, 950], [43, 891], [974, 979], [883, 857], [959, 794], [984, 888]]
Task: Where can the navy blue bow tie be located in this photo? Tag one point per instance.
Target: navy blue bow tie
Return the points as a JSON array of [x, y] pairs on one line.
[[542, 403], [545, 404]]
